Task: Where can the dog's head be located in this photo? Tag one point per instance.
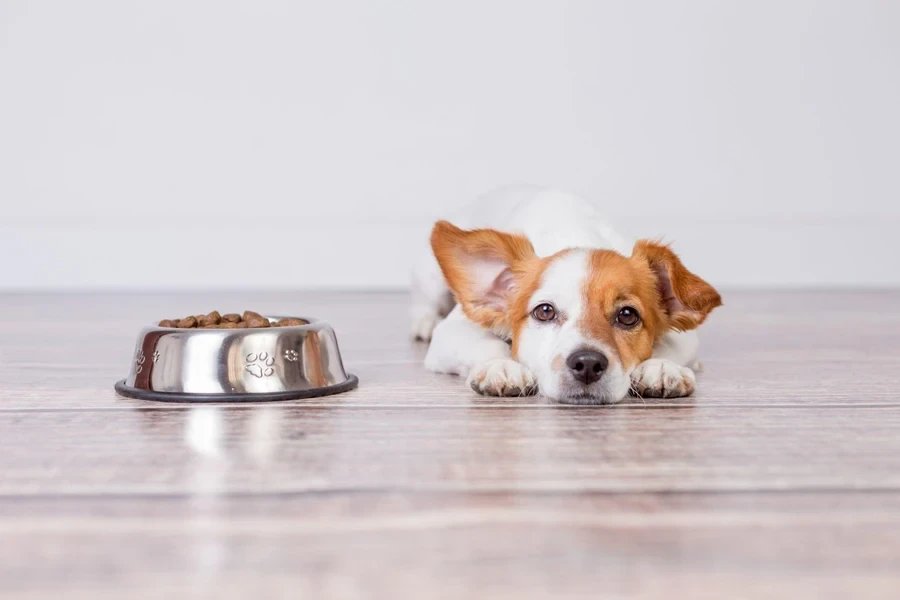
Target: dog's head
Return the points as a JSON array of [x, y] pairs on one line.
[[582, 319]]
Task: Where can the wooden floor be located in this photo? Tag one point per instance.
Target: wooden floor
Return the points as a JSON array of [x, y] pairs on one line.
[[780, 478]]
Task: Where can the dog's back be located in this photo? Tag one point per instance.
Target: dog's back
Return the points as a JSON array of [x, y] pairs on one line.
[[552, 219]]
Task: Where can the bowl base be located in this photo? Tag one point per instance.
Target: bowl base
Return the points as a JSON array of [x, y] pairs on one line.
[[130, 392]]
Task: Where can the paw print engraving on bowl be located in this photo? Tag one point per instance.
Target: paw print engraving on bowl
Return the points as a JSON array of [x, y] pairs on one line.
[[139, 361], [291, 355], [260, 364]]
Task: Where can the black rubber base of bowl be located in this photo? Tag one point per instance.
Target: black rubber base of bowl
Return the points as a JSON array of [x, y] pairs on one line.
[[130, 392]]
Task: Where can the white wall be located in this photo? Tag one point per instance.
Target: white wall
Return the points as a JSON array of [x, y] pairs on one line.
[[292, 143]]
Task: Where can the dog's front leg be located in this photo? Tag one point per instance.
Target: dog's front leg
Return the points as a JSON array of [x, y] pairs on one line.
[[461, 347], [670, 371]]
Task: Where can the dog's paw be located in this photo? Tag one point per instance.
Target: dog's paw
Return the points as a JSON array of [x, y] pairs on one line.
[[661, 378], [423, 324], [502, 377]]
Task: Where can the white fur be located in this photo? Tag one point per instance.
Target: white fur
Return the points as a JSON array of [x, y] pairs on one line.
[[459, 345], [431, 298], [553, 221]]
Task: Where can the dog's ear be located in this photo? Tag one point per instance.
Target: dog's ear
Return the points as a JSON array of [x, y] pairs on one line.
[[685, 298], [482, 268]]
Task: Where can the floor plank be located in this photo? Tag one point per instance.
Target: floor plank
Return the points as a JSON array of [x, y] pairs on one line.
[[460, 545], [779, 478], [277, 449]]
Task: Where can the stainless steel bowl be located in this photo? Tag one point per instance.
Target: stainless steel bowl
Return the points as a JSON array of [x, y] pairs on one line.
[[237, 365]]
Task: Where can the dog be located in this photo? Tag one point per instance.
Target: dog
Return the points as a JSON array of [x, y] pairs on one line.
[[530, 290]]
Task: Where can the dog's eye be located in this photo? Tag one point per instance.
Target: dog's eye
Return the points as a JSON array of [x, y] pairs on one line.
[[544, 312], [628, 317]]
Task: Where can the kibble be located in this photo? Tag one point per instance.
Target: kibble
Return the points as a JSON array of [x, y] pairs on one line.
[[213, 320], [289, 323], [249, 315]]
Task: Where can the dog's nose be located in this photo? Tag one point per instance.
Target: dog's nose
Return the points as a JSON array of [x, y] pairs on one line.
[[587, 365]]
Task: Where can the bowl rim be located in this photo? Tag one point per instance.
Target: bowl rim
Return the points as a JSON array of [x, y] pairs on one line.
[[310, 322]]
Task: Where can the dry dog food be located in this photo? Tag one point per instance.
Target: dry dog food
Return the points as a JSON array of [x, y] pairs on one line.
[[214, 320]]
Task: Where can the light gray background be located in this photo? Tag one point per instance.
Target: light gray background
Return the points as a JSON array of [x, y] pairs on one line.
[[305, 144]]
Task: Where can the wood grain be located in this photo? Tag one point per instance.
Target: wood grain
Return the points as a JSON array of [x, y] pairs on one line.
[[779, 478]]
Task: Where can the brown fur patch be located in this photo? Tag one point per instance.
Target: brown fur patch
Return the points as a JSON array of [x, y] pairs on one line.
[[654, 282], [612, 283], [686, 299]]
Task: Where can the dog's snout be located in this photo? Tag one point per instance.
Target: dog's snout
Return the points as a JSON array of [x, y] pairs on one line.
[[587, 366]]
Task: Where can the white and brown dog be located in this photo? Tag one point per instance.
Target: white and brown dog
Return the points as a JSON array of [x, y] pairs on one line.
[[551, 299]]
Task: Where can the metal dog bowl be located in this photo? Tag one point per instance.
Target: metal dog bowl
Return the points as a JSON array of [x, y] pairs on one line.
[[237, 365]]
